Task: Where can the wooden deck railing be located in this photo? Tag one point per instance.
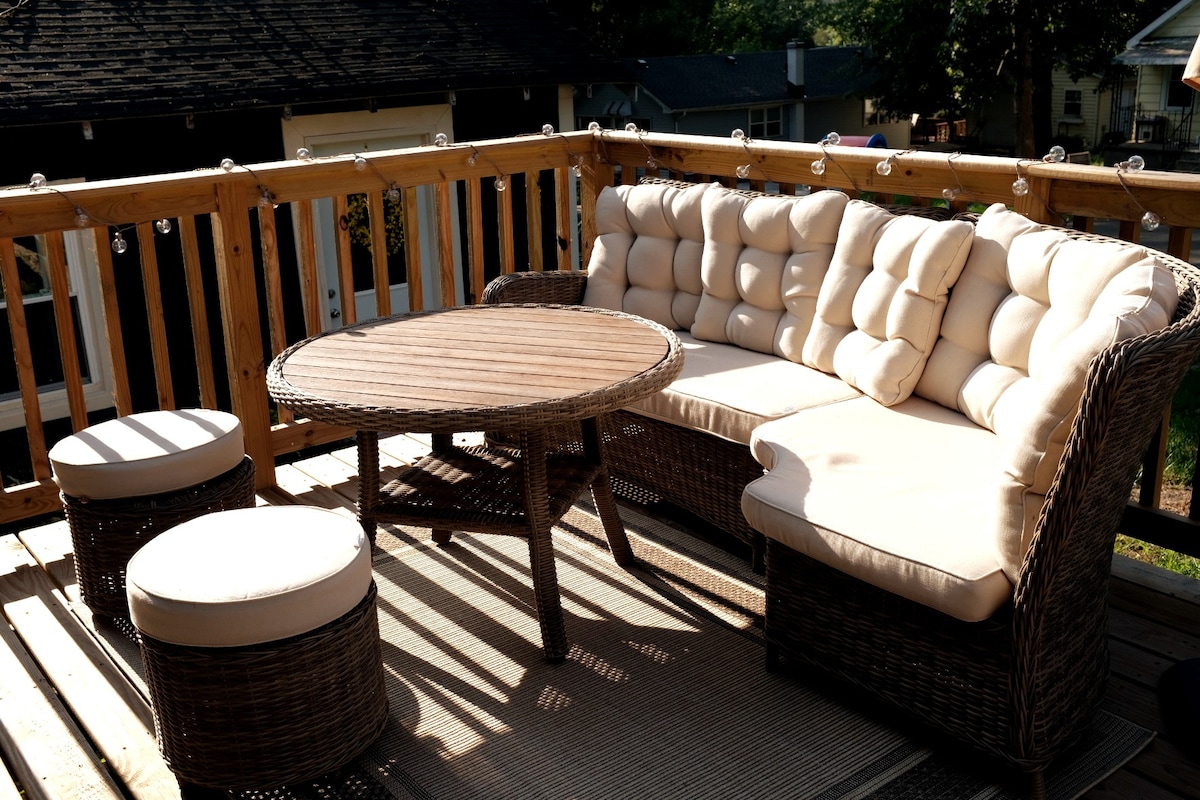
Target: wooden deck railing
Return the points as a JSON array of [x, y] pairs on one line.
[[244, 240]]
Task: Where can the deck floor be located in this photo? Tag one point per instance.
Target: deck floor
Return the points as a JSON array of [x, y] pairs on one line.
[[73, 725]]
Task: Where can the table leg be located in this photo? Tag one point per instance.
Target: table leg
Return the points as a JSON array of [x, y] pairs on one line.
[[541, 547], [602, 496], [368, 480], [441, 443]]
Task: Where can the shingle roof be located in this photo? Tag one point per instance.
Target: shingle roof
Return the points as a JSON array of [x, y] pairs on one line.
[[66, 60], [685, 83]]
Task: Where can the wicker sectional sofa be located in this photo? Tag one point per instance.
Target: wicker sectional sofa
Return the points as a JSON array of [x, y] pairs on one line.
[[931, 424]]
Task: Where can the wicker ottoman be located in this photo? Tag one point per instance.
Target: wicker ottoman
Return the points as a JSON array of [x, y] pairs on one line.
[[126, 480], [260, 640]]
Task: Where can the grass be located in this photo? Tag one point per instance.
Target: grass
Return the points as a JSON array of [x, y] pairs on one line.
[[1183, 438]]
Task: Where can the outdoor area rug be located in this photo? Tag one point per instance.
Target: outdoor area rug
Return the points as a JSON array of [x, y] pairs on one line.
[[663, 694]]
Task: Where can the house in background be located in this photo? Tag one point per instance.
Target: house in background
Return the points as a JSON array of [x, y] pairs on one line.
[[95, 89], [797, 94], [1156, 110]]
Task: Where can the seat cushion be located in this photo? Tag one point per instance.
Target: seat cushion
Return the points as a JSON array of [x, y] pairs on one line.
[[147, 453], [728, 392], [879, 308], [1034, 306], [248, 576], [646, 258], [899, 497]]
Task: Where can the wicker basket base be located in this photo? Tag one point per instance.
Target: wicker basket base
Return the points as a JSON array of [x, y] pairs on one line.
[[105, 534], [265, 716]]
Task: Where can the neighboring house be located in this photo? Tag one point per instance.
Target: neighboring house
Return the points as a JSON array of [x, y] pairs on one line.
[[95, 89], [1156, 107], [798, 94]]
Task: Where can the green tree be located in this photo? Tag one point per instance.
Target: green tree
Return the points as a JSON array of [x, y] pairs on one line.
[[953, 56]]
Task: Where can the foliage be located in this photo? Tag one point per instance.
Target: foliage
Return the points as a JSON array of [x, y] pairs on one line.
[[1184, 435], [359, 221], [635, 28], [953, 56]]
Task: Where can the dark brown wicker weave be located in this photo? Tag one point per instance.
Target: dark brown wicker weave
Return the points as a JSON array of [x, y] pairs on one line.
[[1023, 684], [268, 715], [106, 533]]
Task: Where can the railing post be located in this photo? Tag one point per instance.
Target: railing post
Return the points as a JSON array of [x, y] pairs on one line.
[[243, 337]]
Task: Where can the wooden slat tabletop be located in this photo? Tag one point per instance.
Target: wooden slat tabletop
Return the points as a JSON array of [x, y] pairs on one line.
[[407, 372]]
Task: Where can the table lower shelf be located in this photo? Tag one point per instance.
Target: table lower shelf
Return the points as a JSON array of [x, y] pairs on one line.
[[480, 489]]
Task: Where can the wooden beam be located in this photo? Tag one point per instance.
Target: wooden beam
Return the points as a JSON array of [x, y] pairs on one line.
[[155, 316], [413, 266], [379, 254]]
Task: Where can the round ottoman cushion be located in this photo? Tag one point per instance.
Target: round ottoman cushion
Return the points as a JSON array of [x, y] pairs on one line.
[[147, 453], [248, 576]]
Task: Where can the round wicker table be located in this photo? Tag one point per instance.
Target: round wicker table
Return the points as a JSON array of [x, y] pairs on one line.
[[510, 369]]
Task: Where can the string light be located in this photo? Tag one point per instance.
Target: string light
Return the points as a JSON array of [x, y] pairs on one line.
[[631, 127], [884, 167], [441, 140], [303, 154], [1135, 163], [360, 163], [952, 194], [473, 159], [37, 181], [1056, 155], [831, 138], [547, 129], [593, 127], [227, 164]]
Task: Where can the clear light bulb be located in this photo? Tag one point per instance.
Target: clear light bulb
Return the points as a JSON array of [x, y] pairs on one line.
[[266, 201], [119, 245], [1020, 187], [441, 140], [37, 181], [227, 164], [1056, 155], [884, 167], [651, 163], [547, 129], [949, 194], [360, 163], [593, 127], [471, 160], [818, 167], [393, 194], [631, 127], [738, 133], [1151, 221], [163, 225], [1136, 163], [304, 154], [577, 170], [501, 185], [833, 137], [743, 171], [82, 220]]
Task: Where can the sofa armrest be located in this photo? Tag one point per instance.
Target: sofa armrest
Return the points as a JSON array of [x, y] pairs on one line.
[[563, 287]]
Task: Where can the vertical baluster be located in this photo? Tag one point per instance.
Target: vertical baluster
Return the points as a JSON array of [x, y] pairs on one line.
[[445, 228], [310, 283], [345, 264], [155, 316], [533, 220], [112, 324], [564, 204], [198, 306], [268, 238], [412, 250], [379, 254], [504, 215], [475, 238], [64, 322], [23, 356]]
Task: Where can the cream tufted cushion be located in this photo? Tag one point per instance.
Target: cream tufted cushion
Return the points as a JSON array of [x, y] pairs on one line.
[[879, 308], [646, 259], [896, 496], [147, 453], [1036, 307], [248, 576], [764, 260]]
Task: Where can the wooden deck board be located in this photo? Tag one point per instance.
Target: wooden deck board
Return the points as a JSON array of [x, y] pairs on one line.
[[1155, 621]]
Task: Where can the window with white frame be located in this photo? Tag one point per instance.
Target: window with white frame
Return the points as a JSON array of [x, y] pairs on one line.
[[766, 123], [1073, 103], [38, 300]]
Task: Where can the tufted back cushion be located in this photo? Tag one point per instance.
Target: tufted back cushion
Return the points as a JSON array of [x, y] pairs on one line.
[[879, 307], [646, 258], [764, 260], [1033, 307]]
